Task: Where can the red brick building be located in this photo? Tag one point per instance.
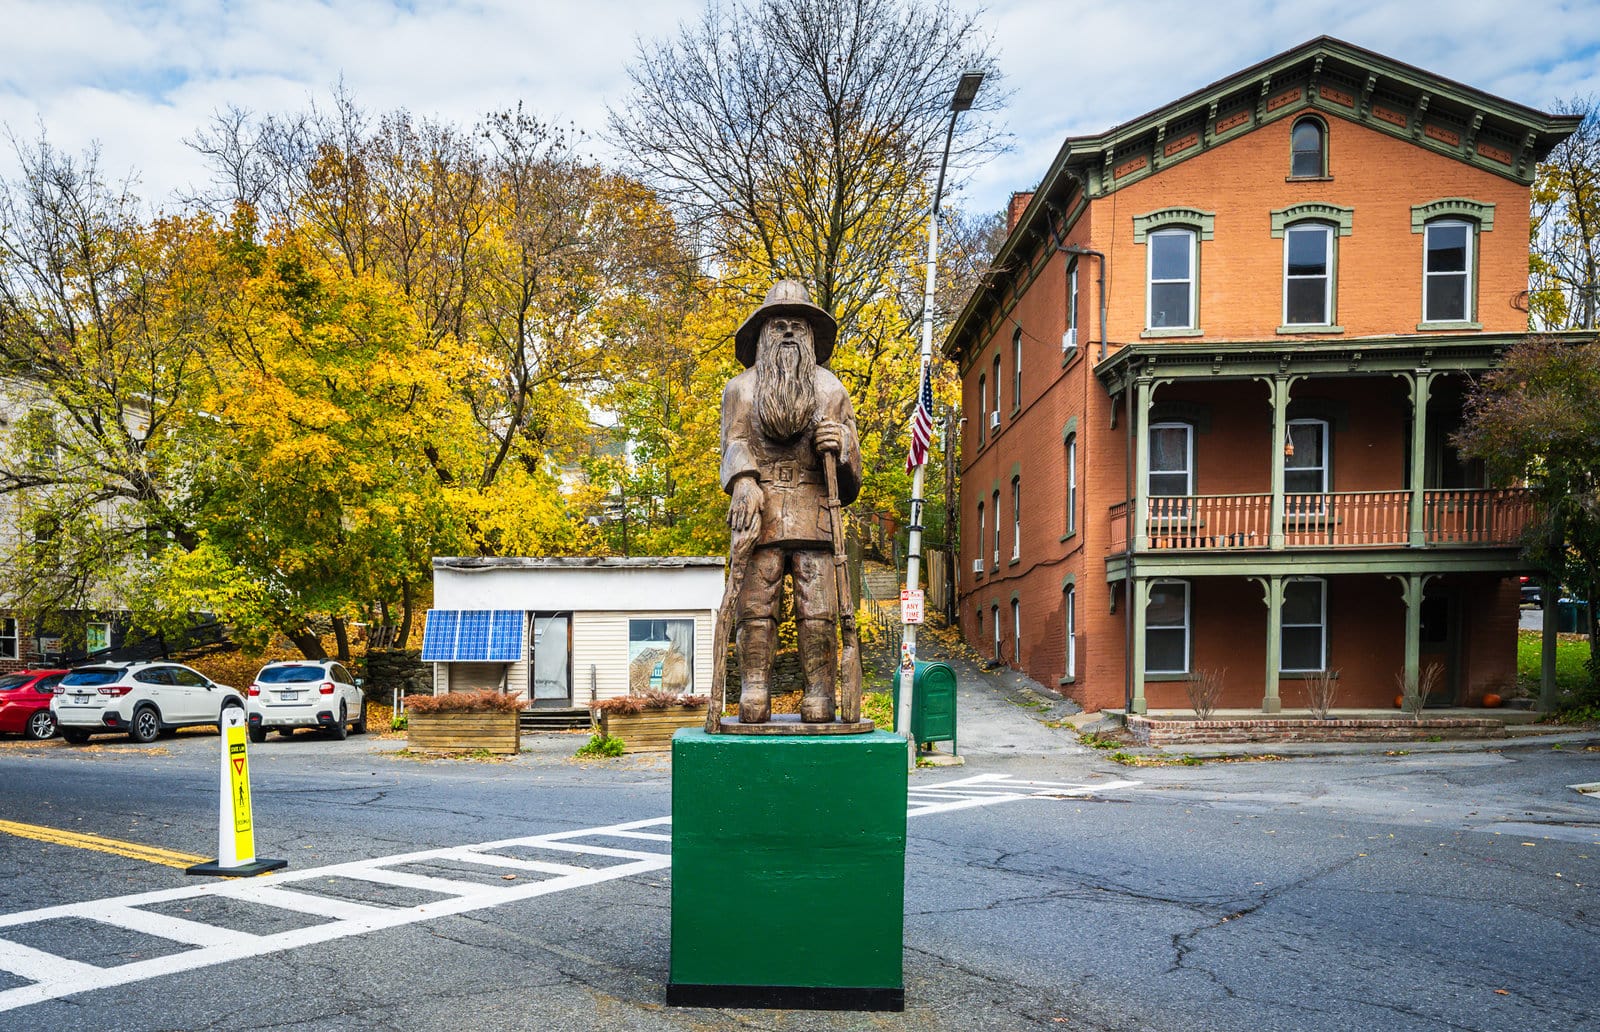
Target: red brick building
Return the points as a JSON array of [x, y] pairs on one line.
[[1209, 390]]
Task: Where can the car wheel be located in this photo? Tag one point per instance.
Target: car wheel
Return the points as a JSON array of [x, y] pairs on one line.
[[258, 735], [145, 726], [75, 736], [337, 730], [360, 725], [41, 726]]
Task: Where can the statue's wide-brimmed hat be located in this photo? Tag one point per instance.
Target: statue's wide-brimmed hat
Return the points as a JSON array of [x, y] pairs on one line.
[[787, 297]]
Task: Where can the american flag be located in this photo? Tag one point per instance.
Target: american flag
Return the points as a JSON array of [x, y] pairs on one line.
[[921, 423]]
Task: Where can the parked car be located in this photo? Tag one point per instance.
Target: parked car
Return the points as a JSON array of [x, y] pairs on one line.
[[139, 699], [305, 693], [1532, 591], [25, 703]]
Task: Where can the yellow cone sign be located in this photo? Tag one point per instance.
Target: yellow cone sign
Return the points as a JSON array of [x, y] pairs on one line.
[[236, 836]]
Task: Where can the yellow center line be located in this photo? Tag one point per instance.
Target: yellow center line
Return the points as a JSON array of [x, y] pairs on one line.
[[134, 850]]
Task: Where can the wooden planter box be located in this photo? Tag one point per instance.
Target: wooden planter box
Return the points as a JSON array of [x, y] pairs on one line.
[[461, 731], [651, 730]]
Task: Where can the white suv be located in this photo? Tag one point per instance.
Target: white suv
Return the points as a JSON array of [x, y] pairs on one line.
[[305, 693], [139, 699]]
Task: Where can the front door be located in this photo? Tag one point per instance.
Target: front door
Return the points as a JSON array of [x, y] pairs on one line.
[[552, 660], [1440, 636]]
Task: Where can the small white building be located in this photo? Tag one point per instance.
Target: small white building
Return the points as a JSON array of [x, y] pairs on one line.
[[563, 631]]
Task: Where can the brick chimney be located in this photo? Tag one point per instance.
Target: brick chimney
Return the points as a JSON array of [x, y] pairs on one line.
[[1019, 204]]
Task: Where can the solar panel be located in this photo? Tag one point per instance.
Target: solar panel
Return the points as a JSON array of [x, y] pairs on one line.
[[505, 636], [439, 635], [472, 636], [472, 640]]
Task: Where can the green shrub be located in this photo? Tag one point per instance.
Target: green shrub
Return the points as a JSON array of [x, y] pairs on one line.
[[602, 745], [878, 707]]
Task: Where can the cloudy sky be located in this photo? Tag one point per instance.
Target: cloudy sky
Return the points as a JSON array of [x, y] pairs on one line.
[[140, 77]]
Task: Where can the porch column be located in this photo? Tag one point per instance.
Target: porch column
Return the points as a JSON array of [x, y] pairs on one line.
[[1420, 384], [1141, 598], [1270, 702], [1412, 587], [1279, 387], [1138, 508]]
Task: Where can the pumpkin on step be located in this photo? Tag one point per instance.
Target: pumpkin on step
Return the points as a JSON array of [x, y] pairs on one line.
[[1491, 700]]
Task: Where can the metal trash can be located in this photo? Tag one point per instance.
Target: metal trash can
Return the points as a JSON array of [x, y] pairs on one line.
[[933, 704], [1571, 617]]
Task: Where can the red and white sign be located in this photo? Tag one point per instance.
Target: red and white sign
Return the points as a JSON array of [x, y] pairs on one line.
[[910, 606]]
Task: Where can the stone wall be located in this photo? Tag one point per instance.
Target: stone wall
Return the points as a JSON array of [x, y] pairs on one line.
[[403, 669], [1168, 731]]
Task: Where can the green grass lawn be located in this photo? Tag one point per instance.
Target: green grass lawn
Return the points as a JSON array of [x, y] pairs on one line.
[[1572, 653]]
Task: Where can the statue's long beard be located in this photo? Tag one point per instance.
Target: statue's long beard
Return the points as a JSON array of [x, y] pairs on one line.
[[786, 391]]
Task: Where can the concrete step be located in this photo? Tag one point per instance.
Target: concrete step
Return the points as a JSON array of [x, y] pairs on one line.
[[573, 719]]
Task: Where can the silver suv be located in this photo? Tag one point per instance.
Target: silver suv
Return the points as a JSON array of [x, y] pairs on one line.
[[138, 699]]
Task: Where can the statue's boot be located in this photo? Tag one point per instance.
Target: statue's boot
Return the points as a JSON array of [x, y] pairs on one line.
[[755, 669], [819, 660]]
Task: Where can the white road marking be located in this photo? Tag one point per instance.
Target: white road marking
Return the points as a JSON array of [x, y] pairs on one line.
[[52, 977]]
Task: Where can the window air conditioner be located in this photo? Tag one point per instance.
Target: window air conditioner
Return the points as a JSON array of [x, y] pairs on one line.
[[977, 566], [994, 421], [1069, 341]]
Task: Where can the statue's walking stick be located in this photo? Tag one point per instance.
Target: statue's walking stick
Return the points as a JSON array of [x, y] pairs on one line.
[[739, 550], [850, 652]]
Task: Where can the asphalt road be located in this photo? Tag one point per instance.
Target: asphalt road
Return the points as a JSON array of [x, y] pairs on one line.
[[1437, 891]]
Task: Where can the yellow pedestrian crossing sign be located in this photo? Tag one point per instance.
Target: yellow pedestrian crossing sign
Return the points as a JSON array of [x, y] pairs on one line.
[[236, 837]]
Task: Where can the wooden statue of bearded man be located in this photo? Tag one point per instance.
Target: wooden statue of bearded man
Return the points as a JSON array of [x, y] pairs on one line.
[[779, 417]]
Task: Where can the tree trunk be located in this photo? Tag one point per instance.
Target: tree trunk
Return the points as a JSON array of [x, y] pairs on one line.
[[341, 634], [405, 615], [308, 642]]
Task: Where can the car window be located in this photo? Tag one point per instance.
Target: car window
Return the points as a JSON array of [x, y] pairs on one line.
[[342, 675], [289, 674], [91, 676], [11, 681], [188, 678], [154, 675], [48, 685]]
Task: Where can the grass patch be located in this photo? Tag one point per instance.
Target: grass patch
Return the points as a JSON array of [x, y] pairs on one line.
[[878, 707], [600, 745], [1572, 657]]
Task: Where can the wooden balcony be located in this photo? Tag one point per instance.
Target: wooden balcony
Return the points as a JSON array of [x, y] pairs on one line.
[[1491, 518]]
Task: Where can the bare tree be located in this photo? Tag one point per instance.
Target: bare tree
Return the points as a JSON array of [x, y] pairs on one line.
[[799, 137]]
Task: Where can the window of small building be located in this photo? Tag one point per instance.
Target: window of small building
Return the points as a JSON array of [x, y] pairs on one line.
[[1308, 152], [661, 655], [1166, 634]]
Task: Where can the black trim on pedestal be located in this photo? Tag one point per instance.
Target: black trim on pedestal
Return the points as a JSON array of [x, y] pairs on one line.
[[787, 997], [249, 870]]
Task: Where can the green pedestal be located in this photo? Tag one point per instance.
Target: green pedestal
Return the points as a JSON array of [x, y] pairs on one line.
[[788, 871]]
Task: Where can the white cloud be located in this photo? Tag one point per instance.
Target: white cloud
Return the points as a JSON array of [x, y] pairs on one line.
[[140, 78]]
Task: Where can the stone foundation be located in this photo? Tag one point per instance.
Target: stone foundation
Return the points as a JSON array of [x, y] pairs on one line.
[[1186, 731]]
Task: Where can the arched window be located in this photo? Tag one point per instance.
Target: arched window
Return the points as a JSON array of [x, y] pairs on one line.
[[995, 508], [1071, 341], [1016, 369], [1072, 484], [1016, 518], [995, 417], [982, 527], [1308, 153]]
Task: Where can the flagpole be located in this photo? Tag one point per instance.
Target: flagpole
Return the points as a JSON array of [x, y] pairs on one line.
[[966, 90]]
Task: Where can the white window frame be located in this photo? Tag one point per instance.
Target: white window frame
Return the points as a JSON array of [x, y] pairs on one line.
[[1016, 518], [1193, 238], [1187, 471], [1468, 301], [1070, 605], [1072, 484], [1327, 232], [1072, 306], [983, 528], [1187, 627], [1321, 625], [996, 499], [994, 614], [10, 644], [983, 408], [1322, 459], [997, 409], [1016, 632], [1016, 370]]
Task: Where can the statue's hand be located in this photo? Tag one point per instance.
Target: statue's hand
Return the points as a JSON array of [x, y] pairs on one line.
[[828, 436], [744, 513]]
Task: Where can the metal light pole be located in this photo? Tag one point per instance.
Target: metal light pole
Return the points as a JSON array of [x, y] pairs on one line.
[[966, 90]]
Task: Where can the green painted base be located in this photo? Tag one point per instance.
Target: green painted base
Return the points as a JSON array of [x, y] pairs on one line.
[[788, 870]]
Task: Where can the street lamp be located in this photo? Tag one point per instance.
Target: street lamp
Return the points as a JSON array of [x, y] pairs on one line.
[[961, 100]]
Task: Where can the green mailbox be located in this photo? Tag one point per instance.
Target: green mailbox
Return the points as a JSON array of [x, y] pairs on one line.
[[933, 703]]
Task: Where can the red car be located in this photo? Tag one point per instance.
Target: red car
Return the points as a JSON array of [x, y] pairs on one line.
[[25, 703]]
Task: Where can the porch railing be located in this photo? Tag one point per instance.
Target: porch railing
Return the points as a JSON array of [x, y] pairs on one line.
[[1335, 519]]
